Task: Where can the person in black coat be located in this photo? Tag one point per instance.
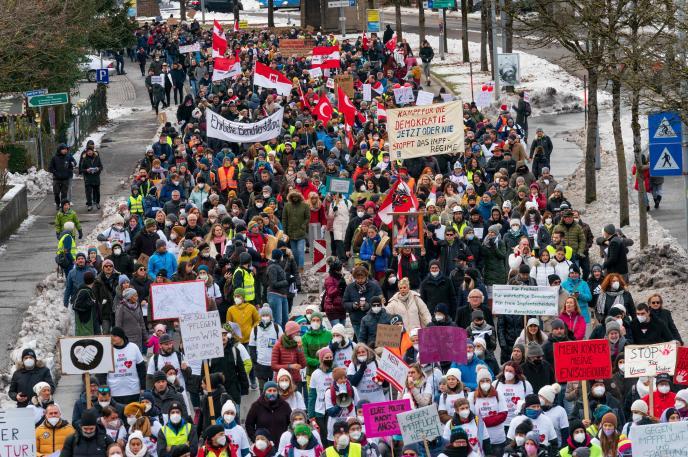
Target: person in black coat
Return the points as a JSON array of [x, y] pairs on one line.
[[646, 330], [88, 440], [475, 302], [437, 288], [359, 295], [178, 79], [145, 241], [658, 312], [269, 412], [376, 315], [90, 167], [509, 329], [29, 372], [537, 371], [616, 260], [62, 167], [388, 34], [185, 109], [232, 367]]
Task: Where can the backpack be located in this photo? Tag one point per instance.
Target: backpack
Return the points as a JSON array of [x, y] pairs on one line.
[[255, 331]]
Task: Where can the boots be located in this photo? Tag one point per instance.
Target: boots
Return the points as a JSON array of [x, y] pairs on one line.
[[658, 199]]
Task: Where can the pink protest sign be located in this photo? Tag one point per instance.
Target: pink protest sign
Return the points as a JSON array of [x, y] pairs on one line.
[[442, 344], [381, 418]]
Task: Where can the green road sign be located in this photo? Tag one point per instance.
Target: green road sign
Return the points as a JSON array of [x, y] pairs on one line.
[[60, 98], [443, 4]]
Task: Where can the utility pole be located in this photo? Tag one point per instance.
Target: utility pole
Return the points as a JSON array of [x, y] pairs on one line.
[[342, 20], [493, 20], [502, 20], [442, 45], [684, 91], [202, 11]]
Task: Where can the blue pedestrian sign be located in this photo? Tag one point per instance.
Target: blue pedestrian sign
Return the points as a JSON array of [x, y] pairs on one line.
[[666, 155], [102, 76]]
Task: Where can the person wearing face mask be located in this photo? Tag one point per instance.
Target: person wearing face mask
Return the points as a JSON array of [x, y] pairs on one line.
[[29, 372], [389, 284], [362, 374], [165, 394], [515, 446], [116, 232], [613, 292], [244, 314], [295, 217], [334, 293], [639, 416], [453, 390], [88, 439], [342, 446], [235, 433], [340, 399], [113, 426], [662, 396], [42, 397], [232, 368], [177, 431], [459, 446], [491, 409], [52, 433], [341, 346], [645, 329], [599, 398], [315, 338], [579, 439], [262, 339], [288, 352], [610, 440], [557, 414], [437, 288], [123, 262], [531, 411], [204, 259], [289, 392], [470, 368], [277, 287], [536, 369], [263, 446], [355, 222], [369, 447], [269, 411], [302, 440], [216, 443], [532, 447], [463, 418]]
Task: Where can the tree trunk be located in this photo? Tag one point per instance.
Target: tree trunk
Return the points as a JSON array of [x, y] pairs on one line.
[[624, 218], [509, 28], [323, 14], [484, 12], [397, 16], [271, 13], [637, 153], [182, 10], [591, 138], [464, 31], [421, 22]]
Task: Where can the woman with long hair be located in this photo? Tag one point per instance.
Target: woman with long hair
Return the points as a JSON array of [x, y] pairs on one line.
[[613, 291], [532, 333], [572, 317], [658, 312], [453, 391], [216, 239], [511, 384], [613, 443], [491, 409]]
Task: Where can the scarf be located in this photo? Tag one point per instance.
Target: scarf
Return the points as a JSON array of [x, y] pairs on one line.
[[288, 342], [141, 453], [349, 391], [602, 300], [451, 451], [575, 445], [404, 298], [131, 306]]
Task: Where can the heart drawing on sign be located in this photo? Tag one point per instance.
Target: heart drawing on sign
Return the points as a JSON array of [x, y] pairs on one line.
[[86, 354], [128, 363]]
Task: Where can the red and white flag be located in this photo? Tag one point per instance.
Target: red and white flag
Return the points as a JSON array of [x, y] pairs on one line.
[[324, 110], [236, 26], [219, 40], [350, 142], [381, 111], [304, 100], [392, 43], [345, 107], [225, 67], [378, 87], [265, 76], [325, 57], [400, 198]]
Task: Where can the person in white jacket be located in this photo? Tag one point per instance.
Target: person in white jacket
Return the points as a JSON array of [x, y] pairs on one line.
[[490, 407], [541, 267], [337, 220]]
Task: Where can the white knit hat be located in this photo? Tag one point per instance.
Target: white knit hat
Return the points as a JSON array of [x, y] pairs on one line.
[[228, 407], [483, 373], [479, 340], [640, 406], [454, 372], [550, 392], [339, 329]]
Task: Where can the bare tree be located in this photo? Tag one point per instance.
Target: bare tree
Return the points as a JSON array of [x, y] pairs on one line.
[[421, 21], [484, 19], [397, 17], [464, 31], [271, 13]]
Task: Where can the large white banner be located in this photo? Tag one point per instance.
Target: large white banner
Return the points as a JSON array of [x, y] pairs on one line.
[[659, 440], [171, 300], [426, 130], [525, 300], [223, 129]]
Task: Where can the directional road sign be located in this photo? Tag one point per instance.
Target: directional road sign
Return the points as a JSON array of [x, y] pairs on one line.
[[59, 98], [33, 93], [664, 131]]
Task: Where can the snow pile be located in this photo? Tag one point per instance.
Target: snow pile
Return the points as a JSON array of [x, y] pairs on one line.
[[658, 266], [38, 182], [118, 112]]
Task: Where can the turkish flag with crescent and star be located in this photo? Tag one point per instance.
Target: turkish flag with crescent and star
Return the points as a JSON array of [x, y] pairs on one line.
[[324, 110]]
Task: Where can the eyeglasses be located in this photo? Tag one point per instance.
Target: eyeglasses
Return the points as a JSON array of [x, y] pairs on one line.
[[108, 266], [142, 269], [655, 302]]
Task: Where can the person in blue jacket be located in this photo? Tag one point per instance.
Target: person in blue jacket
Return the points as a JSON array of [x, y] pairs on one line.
[[172, 184], [575, 286], [75, 278], [377, 258], [161, 260], [469, 369]]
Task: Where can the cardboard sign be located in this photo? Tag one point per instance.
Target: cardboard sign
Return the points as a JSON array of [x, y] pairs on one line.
[[143, 259], [388, 335], [315, 72], [403, 95], [420, 424], [392, 369], [525, 300], [196, 47], [86, 354], [418, 131], [202, 335], [339, 185], [346, 82], [660, 440], [681, 372], [160, 79], [17, 433], [299, 47], [650, 359], [442, 344], [582, 360], [381, 418], [170, 301], [105, 250], [367, 92], [485, 96], [424, 98]]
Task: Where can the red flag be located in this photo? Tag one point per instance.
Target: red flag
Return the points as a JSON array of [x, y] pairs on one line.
[[265, 76], [392, 43], [381, 111], [325, 57], [400, 198], [324, 110], [236, 26], [350, 142], [345, 107], [365, 43], [219, 40], [304, 100], [225, 68]]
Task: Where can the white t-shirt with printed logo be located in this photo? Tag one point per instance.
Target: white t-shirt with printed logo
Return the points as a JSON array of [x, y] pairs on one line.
[[368, 389], [512, 394], [125, 379]]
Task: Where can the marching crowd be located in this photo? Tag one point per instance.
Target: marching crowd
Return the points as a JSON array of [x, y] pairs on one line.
[[244, 217]]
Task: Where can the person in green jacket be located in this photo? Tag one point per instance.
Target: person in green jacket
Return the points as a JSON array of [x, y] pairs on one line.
[[295, 218], [65, 214], [315, 338]]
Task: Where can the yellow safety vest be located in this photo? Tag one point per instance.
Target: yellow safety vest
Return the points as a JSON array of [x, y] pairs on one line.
[[60, 245], [174, 439], [459, 229], [354, 451], [136, 204], [249, 285], [568, 251]]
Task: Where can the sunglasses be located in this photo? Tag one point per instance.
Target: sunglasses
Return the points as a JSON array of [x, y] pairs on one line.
[[655, 302], [103, 390], [410, 454]]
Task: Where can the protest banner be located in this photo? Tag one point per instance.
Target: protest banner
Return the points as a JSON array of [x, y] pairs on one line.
[[367, 92], [171, 300], [86, 354], [485, 96], [196, 47], [159, 79], [315, 72], [404, 95], [339, 185], [442, 344], [17, 433], [525, 300], [681, 372], [418, 131], [346, 82], [424, 98], [263, 130], [388, 335], [650, 359], [582, 360], [420, 424], [329, 83], [296, 46], [380, 418], [660, 440], [392, 369], [202, 335]]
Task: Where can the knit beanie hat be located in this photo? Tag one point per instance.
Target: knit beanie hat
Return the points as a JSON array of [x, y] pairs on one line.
[[609, 418], [302, 429], [323, 352], [292, 328], [640, 406], [265, 310], [550, 392]]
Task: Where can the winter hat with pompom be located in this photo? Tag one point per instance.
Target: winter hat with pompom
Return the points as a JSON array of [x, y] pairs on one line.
[[550, 392]]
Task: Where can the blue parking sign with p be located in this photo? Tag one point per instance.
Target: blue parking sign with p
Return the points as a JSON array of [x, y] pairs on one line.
[[102, 76]]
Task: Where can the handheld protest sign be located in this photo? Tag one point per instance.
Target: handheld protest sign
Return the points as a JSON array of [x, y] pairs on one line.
[[681, 371], [582, 360], [392, 369], [170, 300], [86, 354], [388, 335], [17, 433], [381, 418], [525, 300], [663, 439], [420, 424], [650, 359], [442, 344]]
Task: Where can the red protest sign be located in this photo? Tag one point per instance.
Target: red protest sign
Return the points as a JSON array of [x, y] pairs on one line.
[[381, 418], [681, 372], [582, 360]]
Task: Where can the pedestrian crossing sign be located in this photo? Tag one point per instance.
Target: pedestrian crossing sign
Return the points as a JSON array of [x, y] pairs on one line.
[[666, 160]]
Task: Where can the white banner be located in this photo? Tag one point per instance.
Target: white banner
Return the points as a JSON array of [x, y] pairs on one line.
[[650, 359], [424, 98], [237, 132], [171, 300], [426, 130], [196, 47], [17, 432], [655, 440], [160, 79], [202, 335], [315, 72], [393, 369], [404, 95], [420, 424], [367, 92], [86, 354], [525, 300]]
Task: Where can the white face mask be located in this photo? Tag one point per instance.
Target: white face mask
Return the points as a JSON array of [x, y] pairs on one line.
[[265, 319], [29, 363], [355, 435], [392, 279], [284, 385], [238, 300], [663, 389], [434, 274], [315, 325], [520, 440], [259, 205], [362, 358], [221, 441], [376, 309], [485, 386], [337, 339], [115, 454], [464, 413], [621, 367], [343, 441], [175, 418], [679, 404], [598, 391], [147, 407], [131, 420], [117, 251], [616, 285], [579, 437], [509, 376], [637, 417], [171, 378], [360, 214], [103, 404], [439, 317], [548, 221], [642, 319], [261, 445], [480, 352], [302, 440], [53, 420]]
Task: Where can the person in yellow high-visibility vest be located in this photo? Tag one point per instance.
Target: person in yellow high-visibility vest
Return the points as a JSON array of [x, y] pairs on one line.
[[342, 445], [244, 277], [178, 431]]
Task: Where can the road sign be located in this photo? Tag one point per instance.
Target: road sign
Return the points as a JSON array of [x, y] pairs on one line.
[[442, 3], [373, 20], [33, 93], [664, 131], [341, 3], [60, 98], [319, 256], [666, 159], [103, 76]]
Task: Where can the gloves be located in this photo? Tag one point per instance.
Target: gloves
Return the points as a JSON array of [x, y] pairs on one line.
[[322, 232], [81, 234]]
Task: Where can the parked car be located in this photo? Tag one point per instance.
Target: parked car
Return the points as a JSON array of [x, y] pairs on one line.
[[219, 6], [281, 3], [93, 63]]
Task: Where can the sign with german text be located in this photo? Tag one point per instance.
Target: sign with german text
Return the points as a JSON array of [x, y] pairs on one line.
[[202, 335], [525, 300], [582, 360], [392, 369], [660, 440], [381, 418], [388, 335], [420, 424], [650, 359], [17, 433]]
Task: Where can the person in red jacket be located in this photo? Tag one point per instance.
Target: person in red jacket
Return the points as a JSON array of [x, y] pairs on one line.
[[288, 353], [538, 197], [334, 294], [662, 396]]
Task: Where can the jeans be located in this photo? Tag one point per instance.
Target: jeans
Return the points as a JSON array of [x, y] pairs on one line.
[[61, 190], [280, 308], [194, 87], [298, 247]]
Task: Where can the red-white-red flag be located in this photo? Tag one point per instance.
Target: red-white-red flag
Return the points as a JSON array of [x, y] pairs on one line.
[[378, 87], [324, 110], [325, 57], [224, 68], [381, 111], [392, 43], [236, 26], [400, 198], [265, 76], [219, 40]]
